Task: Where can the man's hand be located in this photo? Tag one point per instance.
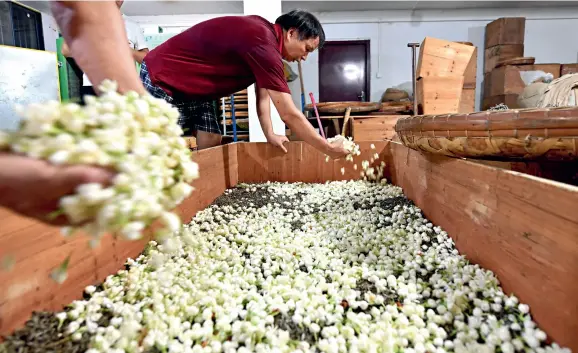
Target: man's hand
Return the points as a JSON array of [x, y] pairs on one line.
[[296, 121], [33, 187], [278, 141], [139, 55], [337, 150]]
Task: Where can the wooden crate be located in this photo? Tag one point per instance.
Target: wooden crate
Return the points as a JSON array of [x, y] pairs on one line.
[[467, 101], [438, 57], [472, 69], [500, 52], [507, 30], [439, 95], [507, 80], [566, 69], [470, 76], [503, 80], [373, 128], [523, 228]]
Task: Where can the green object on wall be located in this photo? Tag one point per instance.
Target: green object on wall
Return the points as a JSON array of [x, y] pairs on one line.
[[70, 75], [62, 72]]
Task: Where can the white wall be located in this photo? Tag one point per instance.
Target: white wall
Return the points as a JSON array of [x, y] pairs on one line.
[[549, 38], [50, 32], [172, 23]]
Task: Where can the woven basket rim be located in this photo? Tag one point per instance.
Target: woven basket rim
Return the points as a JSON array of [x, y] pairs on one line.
[[497, 148], [341, 107], [519, 122]]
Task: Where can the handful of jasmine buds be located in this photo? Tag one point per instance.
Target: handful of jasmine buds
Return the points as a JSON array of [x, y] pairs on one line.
[[136, 136], [348, 145], [367, 172]]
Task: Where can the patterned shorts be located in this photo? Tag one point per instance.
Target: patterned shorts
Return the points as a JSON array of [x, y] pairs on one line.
[[195, 115]]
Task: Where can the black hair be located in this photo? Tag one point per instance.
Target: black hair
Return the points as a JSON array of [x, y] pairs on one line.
[[307, 25]]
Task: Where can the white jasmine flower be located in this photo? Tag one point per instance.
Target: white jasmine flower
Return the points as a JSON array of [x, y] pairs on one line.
[[135, 136]]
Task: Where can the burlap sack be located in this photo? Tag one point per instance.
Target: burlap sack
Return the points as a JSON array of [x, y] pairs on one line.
[[532, 94]]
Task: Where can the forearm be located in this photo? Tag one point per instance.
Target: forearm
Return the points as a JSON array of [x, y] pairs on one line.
[[297, 122], [139, 55], [305, 131], [97, 39], [264, 111]]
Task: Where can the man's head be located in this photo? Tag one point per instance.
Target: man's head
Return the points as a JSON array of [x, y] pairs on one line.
[[119, 3], [302, 34]]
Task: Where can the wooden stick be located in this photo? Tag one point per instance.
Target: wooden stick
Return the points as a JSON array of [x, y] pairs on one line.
[[317, 114], [345, 120], [302, 86]]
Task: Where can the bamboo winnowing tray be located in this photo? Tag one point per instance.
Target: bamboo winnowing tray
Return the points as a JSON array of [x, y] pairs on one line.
[[522, 134], [523, 228]]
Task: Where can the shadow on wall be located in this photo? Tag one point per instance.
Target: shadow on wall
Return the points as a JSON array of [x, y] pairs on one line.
[[476, 36], [415, 18]]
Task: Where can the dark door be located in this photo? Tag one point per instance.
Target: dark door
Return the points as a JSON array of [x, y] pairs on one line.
[[344, 71]]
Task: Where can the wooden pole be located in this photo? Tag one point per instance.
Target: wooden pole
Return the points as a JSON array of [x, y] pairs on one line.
[[302, 86], [345, 120]]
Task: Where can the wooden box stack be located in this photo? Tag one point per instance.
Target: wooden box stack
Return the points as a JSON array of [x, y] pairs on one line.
[[241, 115], [502, 84], [441, 75], [504, 40]]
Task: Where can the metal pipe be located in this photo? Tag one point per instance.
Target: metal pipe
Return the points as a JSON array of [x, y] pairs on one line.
[[224, 111], [413, 46]]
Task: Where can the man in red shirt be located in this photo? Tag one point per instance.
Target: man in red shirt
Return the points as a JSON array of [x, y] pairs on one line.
[[96, 35], [224, 55]]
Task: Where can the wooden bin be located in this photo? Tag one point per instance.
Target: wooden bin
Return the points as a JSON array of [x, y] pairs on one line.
[[439, 95], [438, 57], [523, 228]]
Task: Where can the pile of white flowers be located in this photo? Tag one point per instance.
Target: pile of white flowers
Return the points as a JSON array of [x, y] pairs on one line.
[[347, 266], [135, 136]]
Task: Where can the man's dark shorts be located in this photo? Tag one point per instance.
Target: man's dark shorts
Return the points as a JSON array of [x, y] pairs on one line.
[[195, 115]]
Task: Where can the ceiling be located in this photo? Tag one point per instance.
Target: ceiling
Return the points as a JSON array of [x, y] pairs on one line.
[[180, 7], [329, 6]]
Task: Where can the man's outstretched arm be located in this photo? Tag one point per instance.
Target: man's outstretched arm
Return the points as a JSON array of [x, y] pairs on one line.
[[264, 113], [302, 128]]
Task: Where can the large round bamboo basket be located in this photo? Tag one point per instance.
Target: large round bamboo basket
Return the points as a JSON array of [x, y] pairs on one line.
[[528, 134], [341, 107]]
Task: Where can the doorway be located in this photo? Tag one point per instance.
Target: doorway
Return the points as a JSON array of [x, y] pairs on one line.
[[344, 71]]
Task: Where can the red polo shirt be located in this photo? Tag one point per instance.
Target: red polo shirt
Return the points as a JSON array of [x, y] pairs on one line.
[[219, 57]]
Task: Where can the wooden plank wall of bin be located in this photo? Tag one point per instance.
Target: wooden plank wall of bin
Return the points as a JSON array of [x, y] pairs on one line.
[[446, 77], [523, 228]]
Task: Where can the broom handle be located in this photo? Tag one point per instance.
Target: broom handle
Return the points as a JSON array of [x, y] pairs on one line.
[[302, 86]]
